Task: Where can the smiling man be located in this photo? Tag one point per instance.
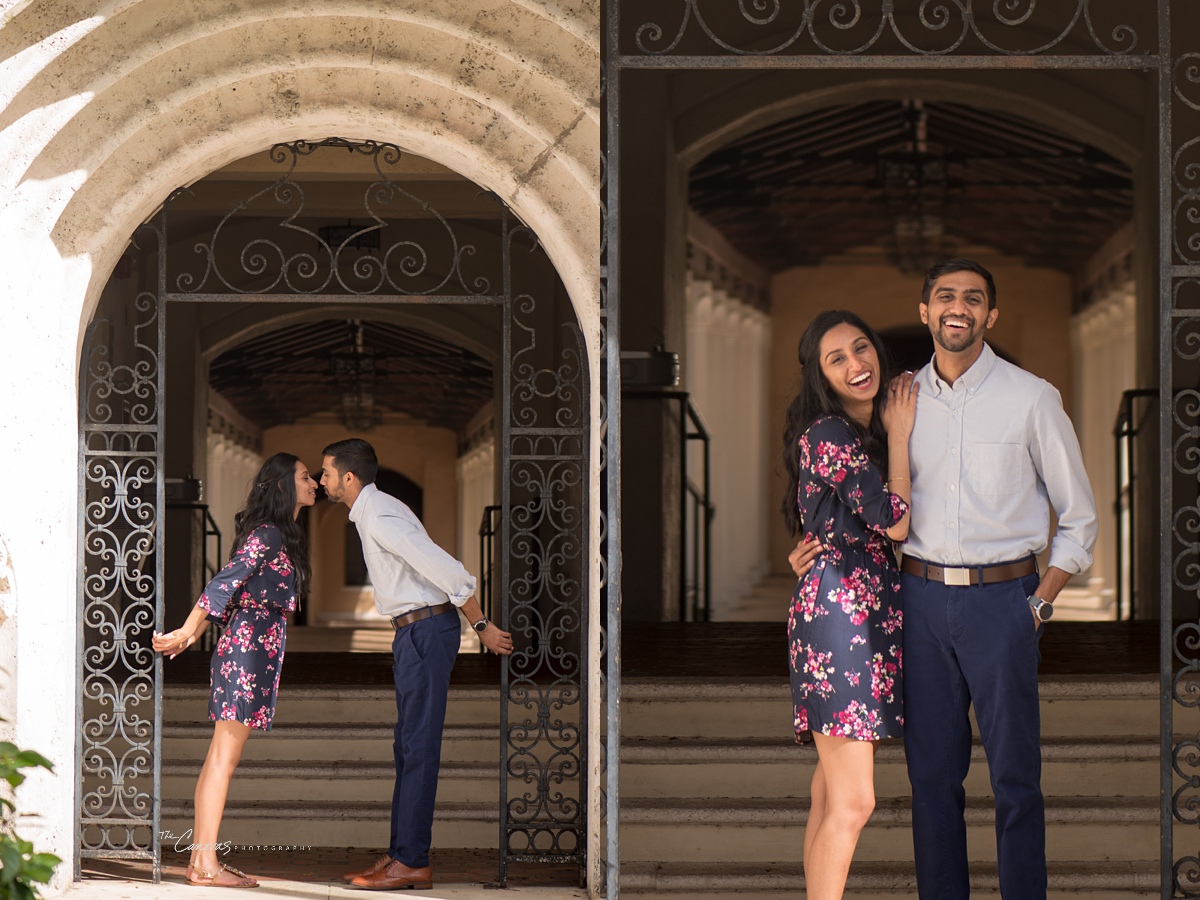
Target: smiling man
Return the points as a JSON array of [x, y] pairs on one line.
[[991, 450]]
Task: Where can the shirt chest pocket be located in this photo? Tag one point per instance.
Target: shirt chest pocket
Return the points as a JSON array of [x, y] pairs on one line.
[[995, 468]]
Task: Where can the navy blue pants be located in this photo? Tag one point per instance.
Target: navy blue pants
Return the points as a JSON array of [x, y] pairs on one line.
[[423, 654], [965, 645]]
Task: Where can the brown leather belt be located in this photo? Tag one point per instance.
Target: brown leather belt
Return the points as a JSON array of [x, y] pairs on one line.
[[968, 576], [425, 612]]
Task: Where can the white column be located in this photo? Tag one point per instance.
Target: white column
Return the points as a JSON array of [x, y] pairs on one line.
[[1103, 340]]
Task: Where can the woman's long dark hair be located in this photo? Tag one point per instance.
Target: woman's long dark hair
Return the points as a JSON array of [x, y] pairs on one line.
[[273, 499], [816, 399]]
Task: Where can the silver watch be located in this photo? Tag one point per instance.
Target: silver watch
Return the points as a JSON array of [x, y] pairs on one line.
[[481, 626], [1042, 609]]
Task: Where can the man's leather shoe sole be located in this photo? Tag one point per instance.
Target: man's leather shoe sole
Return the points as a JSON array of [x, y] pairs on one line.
[[408, 880]]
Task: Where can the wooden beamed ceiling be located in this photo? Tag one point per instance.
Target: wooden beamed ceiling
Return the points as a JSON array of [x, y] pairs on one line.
[[287, 375], [818, 185]]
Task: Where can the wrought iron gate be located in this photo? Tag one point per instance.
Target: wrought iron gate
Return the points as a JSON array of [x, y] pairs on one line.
[[947, 35], [543, 432]]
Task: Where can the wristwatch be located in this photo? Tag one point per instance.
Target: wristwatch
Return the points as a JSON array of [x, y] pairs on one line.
[[1042, 610], [481, 626]]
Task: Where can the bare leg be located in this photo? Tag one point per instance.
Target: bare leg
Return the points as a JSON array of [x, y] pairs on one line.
[[847, 768], [816, 812], [212, 787]]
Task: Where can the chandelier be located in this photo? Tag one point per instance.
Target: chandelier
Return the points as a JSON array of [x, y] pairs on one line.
[[354, 373], [916, 184]]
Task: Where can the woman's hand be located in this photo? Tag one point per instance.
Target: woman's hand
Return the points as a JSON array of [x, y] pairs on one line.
[[804, 556], [172, 643], [900, 408]]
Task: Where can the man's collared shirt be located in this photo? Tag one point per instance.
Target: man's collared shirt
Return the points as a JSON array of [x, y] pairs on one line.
[[989, 455], [408, 570]]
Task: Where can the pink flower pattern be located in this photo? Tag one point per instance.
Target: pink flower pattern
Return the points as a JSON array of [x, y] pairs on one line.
[[251, 597], [846, 619]]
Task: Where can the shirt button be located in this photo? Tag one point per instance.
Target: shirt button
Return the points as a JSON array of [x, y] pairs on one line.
[[953, 487], [954, 451]]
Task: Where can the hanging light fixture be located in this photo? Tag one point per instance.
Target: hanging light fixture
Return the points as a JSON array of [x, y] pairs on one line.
[[354, 371], [916, 184]]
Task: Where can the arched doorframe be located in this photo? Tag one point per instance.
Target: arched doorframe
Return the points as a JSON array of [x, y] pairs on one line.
[[544, 545]]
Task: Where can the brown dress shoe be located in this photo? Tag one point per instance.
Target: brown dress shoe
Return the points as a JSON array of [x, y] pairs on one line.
[[378, 866], [396, 877]]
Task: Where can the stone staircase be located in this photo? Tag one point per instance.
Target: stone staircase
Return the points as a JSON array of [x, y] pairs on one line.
[[714, 794], [322, 777]]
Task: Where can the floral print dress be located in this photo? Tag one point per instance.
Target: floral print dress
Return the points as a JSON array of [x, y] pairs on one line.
[[250, 597], [844, 630]]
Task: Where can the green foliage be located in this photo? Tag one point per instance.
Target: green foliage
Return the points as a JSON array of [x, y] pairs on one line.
[[20, 868]]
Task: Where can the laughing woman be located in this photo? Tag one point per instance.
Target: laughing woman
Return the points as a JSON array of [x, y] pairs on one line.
[[266, 575], [844, 638]]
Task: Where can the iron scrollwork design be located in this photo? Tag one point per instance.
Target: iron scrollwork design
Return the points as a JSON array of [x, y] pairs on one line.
[[545, 723], [305, 259], [1185, 551], [847, 28], [119, 463], [1185, 168]]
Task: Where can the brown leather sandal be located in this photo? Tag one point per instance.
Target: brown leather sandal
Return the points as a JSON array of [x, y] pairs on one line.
[[225, 876]]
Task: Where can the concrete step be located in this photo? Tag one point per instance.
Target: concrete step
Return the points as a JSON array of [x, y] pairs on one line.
[[331, 741], [770, 830], [1117, 880], [301, 823], [352, 782], [367, 705], [1119, 766], [1076, 706]]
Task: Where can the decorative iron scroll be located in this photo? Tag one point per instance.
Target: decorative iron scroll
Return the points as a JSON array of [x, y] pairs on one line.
[[1180, 430], [850, 27], [268, 243], [119, 677], [545, 527]]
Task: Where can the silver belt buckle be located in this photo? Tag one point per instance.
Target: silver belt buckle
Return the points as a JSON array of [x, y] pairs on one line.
[[956, 577]]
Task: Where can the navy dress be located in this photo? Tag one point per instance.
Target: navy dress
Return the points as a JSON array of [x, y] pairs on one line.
[[250, 597], [844, 630]]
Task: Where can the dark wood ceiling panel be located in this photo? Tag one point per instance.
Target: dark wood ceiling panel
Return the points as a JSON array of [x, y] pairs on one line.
[[814, 186], [287, 375]]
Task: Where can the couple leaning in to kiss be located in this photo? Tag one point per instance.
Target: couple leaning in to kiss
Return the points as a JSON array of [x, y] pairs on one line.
[[958, 466], [417, 585]]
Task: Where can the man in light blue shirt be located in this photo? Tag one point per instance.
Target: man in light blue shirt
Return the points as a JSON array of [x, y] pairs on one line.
[[991, 451], [419, 587]]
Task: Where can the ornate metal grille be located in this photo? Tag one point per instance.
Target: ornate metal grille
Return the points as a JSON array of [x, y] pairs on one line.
[[269, 245], [121, 499], [961, 35], [1179, 398]]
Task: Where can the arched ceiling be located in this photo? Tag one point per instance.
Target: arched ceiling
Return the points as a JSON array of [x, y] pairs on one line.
[[918, 179], [299, 371]]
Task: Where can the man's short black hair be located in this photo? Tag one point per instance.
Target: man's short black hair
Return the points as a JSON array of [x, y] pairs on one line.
[[946, 266], [354, 455]]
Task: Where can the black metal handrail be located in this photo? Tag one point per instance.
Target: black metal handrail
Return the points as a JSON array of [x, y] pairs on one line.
[[1125, 432], [489, 527], [695, 508], [699, 589], [208, 568]]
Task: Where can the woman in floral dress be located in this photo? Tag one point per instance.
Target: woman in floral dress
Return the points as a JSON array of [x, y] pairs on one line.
[[262, 582], [844, 631]]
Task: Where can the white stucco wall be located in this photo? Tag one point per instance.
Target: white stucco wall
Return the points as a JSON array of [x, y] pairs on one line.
[[107, 105]]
